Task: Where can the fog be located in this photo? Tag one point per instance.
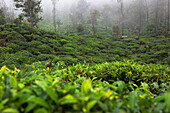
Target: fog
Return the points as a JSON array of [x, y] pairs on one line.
[[128, 14], [67, 3], [63, 5]]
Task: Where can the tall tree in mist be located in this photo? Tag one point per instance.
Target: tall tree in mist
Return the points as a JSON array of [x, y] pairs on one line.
[[82, 7], [139, 14], [2, 4], [73, 15], [168, 28], [2, 15], [122, 14], [107, 16], [6, 12], [12, 7], [54, 14], [94, 14], [31, 10], [147, 11]]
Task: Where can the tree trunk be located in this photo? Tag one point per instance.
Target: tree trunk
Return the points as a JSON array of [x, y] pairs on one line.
[[168, 28], [156, 16], [93, 29], [54, 17], [31, 15], [140, 19], [122, 29], [122, 13], [147, 12]]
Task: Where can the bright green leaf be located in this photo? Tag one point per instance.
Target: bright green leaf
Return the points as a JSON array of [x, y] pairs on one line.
[[133, 99], [68, 99], [12, 81], [10, 110], [86, 86], [167, 101], [91, 104], [41, 84], [53, 95], [41, 110], [38, 100]]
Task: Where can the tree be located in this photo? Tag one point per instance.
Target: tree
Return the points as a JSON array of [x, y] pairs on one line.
[[168, 28], [147, 11], [59, 23], [2, 4], [2, 17], [54, 13], [140, 11], [94, 14], [116, 30], [73, 15], [82, 7], [11, 11], [80, 28], [106, 16], [122, 14], [31, 10], [3, 11], [19, 20]]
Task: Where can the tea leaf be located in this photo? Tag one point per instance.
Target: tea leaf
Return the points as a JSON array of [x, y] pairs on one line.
[[38, 100], [132, 99], [10, 110], [53, 95], [12, 81], [167, 101], [91, 104]]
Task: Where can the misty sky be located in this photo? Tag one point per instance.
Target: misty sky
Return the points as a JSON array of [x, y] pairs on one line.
[[67, 3], [64, 5]]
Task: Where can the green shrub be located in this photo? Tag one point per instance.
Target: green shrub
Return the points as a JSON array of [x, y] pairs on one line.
[[80, 28], [63, 41], [44, 57], [3, 34], [2, 27], [45, 49], [14, 47], [160, 54], [22, 57], [4, 53], [69, 60], [14, 36], [33, 50]]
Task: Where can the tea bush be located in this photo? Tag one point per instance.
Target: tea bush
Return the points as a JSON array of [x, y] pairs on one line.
[[107, 87], [104, 47]]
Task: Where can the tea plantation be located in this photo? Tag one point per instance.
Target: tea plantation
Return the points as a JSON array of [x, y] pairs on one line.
[[89, 74], [117, 87], [20, 45]]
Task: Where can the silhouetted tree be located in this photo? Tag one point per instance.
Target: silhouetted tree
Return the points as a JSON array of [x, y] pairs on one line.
[[82, 7], [168, 28], [73, 15], [122, 14], [31, 10], [54, 13], [106, 16], [94, 14], [2, 17]]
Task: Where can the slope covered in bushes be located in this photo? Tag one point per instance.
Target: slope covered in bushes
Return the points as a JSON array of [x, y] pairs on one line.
[[107, 87], [23, 45]]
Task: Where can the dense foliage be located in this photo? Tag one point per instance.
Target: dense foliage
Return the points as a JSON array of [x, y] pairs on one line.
[[90, 54], [22, 45], [107, 87]]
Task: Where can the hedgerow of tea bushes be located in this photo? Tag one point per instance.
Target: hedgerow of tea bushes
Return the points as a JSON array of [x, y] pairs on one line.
[[85, 88]]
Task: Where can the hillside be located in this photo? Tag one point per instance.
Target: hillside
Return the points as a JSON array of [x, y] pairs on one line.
[[22, 45]]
